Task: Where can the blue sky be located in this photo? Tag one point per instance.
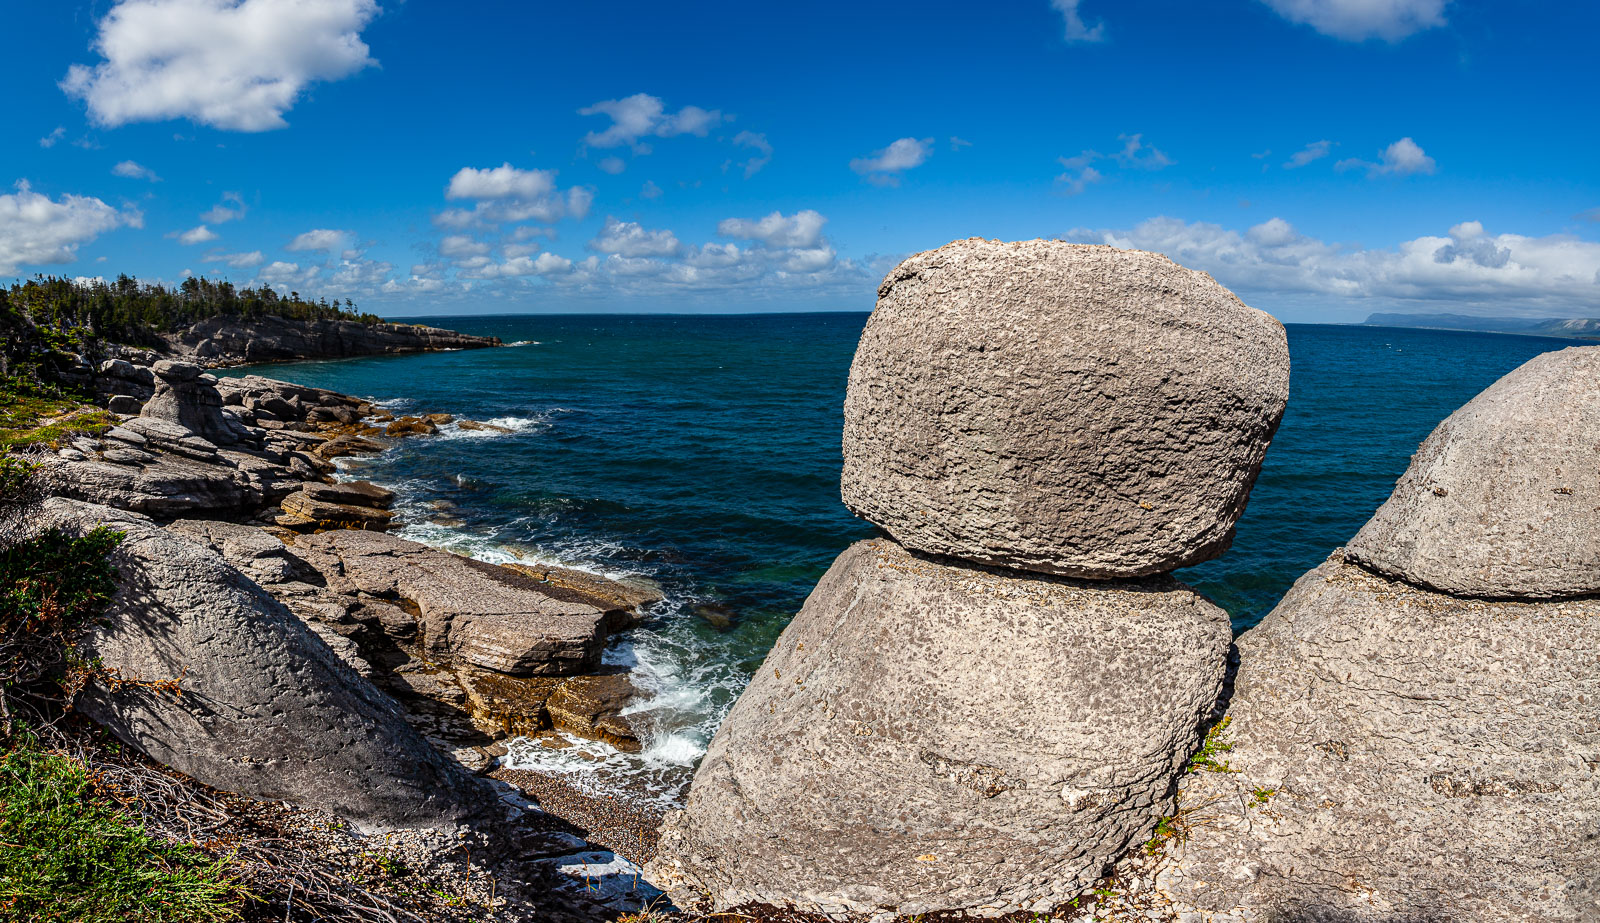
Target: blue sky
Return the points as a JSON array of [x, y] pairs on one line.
[[1323, 158]]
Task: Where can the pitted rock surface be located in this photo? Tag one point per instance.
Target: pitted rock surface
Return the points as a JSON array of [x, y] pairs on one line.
[[1428, 758], [1503, 499], [266, 709], [1064, 408], [473, 612], [930, 737], [185, 398]]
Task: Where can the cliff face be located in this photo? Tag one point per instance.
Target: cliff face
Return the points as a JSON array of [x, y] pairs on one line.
[[235, 341]]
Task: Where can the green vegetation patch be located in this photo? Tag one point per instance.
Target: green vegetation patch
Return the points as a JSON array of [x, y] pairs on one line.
[[32, 414], [68, 853]]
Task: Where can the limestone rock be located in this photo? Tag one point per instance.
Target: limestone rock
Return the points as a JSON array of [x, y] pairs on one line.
[[352, 493], [1404, 755], [471, 612], [1503, 499], [1064, 408], [303, 510], [928, 737], [592, 706], [234, 340], [267, 710], [340, 446], [184, 398]]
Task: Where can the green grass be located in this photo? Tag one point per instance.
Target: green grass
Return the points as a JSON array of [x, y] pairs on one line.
[[30, 414], [1212, 748], [70, 854]]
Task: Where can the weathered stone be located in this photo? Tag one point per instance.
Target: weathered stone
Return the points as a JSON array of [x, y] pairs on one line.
[[303, 510], [623, 601], [234, 340], [592, 706], [505, 706], [266, 709], [929, 737], [475, 426], [410, 426], [1403, 755], [1063, 408], [168, 486], [340, 446], [352, 493], [127, 456], [1503, 499], [184, 398], [471, 612], [123, 403]]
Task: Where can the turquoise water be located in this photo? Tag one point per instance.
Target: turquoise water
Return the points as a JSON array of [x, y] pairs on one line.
[[703, 453]]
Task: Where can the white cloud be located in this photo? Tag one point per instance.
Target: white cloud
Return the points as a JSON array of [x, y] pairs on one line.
[[502, 182], [1135, 153], [281, 273], [231, 208], [629, 239], [612, 165], [54, 136], [359, 275], [1402, 158], [802, 229], [460, 246], [884, 166], [1468, 267], [1076, 29], [1358, 20], [642, 115], [36, 230], [762, 148], [196, 235], [650, 190], [238, 260], [579, 198], [1316, 150], [1078, 176], [319, 239], [130, 170], [510, 194], [237, 65]]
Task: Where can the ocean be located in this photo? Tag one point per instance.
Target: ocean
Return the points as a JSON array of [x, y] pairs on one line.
[[702, 452]]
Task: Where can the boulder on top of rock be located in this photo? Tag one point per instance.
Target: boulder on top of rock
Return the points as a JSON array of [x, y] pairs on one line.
[[928, 737], [1403, 755], [183, 397], [1503, 499], [1064, 408], [267, 709], [470, 611], [302, 510], [353, 493]]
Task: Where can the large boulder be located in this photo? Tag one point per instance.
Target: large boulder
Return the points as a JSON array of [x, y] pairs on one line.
[[930, 737], [1403, 756], [216, 679], [1063, 408], [1503, 499], [184, 397]]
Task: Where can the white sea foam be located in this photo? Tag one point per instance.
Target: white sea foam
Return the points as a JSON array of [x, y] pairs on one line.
[[523, 343]]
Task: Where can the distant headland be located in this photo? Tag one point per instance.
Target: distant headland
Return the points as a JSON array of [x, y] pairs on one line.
[[1580, 328]]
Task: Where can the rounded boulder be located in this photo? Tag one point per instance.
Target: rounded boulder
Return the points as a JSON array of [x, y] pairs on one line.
[[1063, 408], [927, 737], [1503, 499]]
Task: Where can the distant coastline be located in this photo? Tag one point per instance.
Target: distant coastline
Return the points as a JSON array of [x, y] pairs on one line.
[[1578, 328]]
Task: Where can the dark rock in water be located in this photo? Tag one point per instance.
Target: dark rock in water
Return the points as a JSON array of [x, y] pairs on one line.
[[716, 615], [929, 737], [1503, 499], [266, 708], [591, 706], [1063, 408], [410, 426], [1403, 755], [474, 425], [234, 340]]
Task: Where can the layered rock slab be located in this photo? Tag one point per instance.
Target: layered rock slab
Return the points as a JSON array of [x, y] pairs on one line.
[[933, 737], [1503, 499], [1402, 755], [1064, 408], [266, 708]]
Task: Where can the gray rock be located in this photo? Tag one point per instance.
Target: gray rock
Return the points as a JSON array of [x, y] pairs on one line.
[[266, 709], [353, 493], [1062, 408], [1503, 499], [169, 486], [183, 398], [253, 552], [127, 456], [233, 340], [1428, 758], [303, 511], [929, 737], [470, 612], [123, 403]]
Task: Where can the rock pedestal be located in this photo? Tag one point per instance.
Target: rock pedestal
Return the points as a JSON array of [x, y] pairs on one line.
[[185, 397], [930, 734]]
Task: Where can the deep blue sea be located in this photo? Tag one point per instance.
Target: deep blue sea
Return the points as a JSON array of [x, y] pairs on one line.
[[702, 452]]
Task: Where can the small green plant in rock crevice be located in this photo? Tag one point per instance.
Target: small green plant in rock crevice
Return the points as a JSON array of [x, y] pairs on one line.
[[1212, 748]]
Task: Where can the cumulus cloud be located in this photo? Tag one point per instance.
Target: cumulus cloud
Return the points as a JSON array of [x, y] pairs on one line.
[[1076, 29], [1467, 267], [1359, 20], [802, 229], [286, 274], [1078, 174], [231, 208], [885, 166], [1135, 153], [237, 65], [1314, 151], [650, 190], [460, 246], [238, 260], [319, 239], [502, 182], [629, 239], [54, 136], [759, 144], [642, 115], [196, 235], [612, 165], [131, 170], [36, 230], [507, 194], [1402, 158]]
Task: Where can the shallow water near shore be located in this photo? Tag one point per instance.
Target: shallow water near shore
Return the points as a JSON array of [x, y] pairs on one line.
[[702, 453]]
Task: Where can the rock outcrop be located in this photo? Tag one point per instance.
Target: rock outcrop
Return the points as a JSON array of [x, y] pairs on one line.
[[1405, 754], [933, 735], [1503, 499], [1064, 408], [186, 397], [928, 736], [213, 677], [236, 341]]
